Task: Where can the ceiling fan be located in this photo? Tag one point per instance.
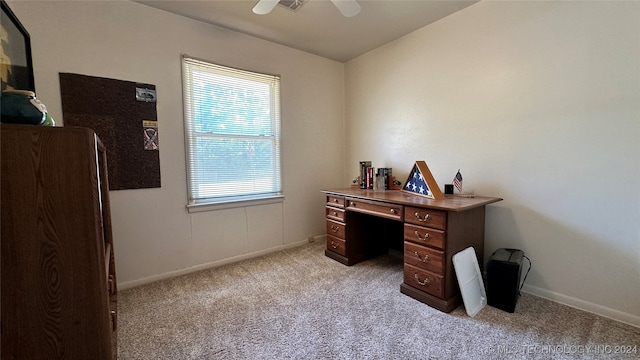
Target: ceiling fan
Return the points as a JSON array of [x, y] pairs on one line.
[[348, 8]]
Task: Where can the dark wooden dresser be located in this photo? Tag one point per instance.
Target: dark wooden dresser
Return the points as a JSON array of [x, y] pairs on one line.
[[365, 223], [58, 274]]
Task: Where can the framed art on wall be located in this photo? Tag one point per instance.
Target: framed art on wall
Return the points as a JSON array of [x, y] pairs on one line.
[[15, 60]]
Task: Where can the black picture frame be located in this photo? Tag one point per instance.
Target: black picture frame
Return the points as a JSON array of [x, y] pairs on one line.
[[16, 64]]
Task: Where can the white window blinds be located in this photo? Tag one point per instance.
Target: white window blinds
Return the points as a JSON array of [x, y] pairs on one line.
[[232, 127]]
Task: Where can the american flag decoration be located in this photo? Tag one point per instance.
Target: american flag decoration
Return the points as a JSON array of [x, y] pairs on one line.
[[457, 181], [417, 184], [421, 182]]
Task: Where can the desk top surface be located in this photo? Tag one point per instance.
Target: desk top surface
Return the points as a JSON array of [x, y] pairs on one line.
[[450, 202]]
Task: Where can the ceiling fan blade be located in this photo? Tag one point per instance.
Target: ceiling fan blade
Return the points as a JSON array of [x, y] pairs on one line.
[[348, 8], [265, 6]]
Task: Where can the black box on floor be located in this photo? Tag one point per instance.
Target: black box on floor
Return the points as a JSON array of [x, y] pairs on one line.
[[503, 278]]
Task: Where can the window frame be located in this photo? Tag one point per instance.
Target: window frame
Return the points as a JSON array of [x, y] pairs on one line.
[[189, 64]]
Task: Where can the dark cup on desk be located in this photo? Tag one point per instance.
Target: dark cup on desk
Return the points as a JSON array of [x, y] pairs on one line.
[[448, 189]]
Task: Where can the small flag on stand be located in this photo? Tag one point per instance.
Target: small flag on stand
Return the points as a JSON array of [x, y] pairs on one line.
[[457, 181]]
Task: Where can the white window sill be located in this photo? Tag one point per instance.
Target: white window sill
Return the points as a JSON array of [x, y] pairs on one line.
[[234, 203]]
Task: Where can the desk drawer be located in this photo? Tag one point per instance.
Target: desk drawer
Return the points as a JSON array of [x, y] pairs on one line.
[[382, 209], [335, 228], [335, 201], [426, 217], [424, 236], [424, 258], [423, 280], [336, 245], [334, 213]]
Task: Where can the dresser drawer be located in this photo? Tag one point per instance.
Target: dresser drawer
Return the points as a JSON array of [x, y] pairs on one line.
[[426, 217], [423, 280], [334, 213], [336, 245], [381, 209], [424, 236], [335, 201], [335, 228], [424, 258]]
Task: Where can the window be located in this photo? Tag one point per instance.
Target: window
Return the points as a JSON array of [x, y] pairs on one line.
[[232, 126]]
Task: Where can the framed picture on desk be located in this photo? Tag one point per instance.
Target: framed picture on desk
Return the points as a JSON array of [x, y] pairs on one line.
[[421, 182]]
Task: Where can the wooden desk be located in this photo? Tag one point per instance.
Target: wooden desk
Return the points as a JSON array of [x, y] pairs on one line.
[[365, 223]]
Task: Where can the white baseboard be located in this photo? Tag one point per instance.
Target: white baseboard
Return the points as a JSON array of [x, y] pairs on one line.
[[600, 310], [212, 264]]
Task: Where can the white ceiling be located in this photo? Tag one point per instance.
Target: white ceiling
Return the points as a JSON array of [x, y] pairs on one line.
[[318, 27]]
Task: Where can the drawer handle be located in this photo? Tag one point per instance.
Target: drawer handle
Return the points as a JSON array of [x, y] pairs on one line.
[[393, 211], [334, 228], [335, 200], [114, 320], [335, 213], [427, 217], [111, 285], [426, 257], [426, 236], [351, 203], [423, 283], [334, 245]]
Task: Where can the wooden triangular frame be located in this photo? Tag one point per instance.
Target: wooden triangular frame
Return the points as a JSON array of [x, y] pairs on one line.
[[421, 182]]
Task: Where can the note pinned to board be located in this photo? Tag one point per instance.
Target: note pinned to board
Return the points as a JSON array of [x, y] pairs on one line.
[[146, 95], [150, 134]]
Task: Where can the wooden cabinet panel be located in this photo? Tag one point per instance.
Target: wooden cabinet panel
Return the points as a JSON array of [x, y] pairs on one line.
[[423, 280], [336, 245], [381, 209], [334, 213], [424, 258], [58, 287], [424, 236], [335, 201], [335, 228], [426, 217]]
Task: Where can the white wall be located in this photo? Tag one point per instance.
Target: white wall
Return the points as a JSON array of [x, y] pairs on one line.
[[537, 103], [154, 235]]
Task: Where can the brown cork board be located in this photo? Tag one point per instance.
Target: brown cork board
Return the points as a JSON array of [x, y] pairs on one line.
[[109, 107]]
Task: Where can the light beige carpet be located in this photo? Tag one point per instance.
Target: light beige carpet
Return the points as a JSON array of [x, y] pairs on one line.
[[299, 304]]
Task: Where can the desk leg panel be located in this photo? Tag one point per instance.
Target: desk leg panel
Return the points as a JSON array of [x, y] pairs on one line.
[[465, 229], [337, 257], [442, 305]]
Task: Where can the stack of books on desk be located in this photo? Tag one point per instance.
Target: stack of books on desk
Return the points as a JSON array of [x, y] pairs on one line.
[[372, 178], [366, 174]]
